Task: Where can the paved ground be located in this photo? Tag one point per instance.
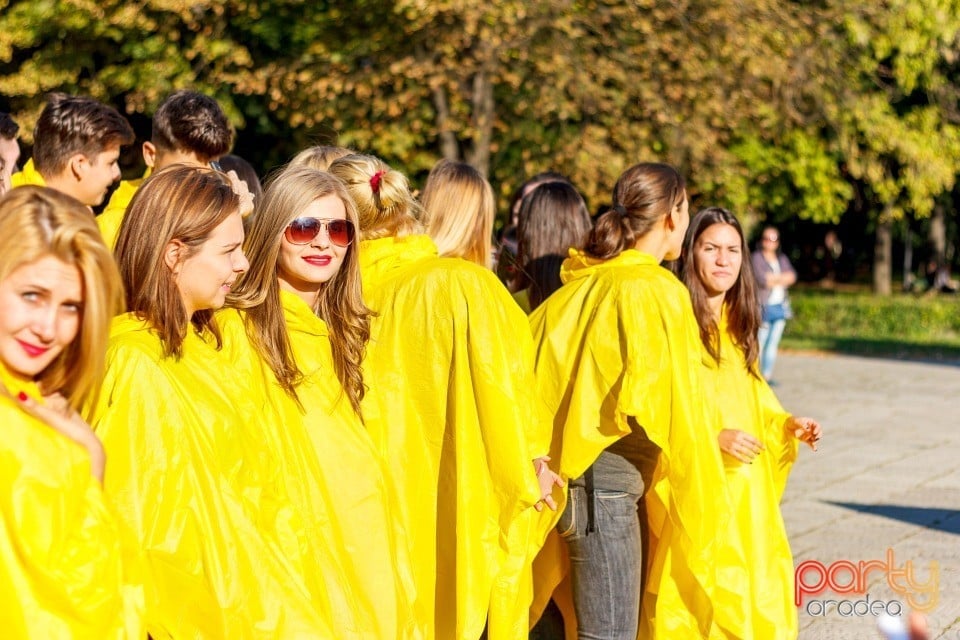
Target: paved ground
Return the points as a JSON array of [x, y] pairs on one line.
[[886, 480]]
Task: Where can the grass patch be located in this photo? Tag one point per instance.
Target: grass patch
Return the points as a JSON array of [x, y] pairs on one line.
[[901, 326]]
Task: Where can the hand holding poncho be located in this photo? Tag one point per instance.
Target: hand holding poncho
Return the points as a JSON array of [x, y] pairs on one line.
[[61, 573]]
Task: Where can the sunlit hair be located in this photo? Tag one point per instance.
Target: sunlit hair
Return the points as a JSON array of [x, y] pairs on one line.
[[319, 157], [190, 121], [553, 218], [384, 211], [182, 203], [643, 195], [339, 302], [741, 300], [36, 222], [458, 211], [70, 125], [245, 172]]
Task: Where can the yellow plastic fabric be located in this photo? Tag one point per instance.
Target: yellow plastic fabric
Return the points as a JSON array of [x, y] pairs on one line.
[[27, 175], [112, 215], [450, 407], [619, 340], [761, 568], [345, 487], [61, 574], [193, 472]]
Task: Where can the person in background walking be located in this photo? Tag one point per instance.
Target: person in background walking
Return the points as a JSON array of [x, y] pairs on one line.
[[774, 275]]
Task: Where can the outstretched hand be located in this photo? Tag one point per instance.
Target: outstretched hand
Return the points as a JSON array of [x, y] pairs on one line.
[[805, 430], [548, 479]]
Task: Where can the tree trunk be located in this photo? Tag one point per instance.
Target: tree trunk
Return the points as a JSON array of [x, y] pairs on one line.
[[448, 140], [883, 255], [483, 116], [938, 235]]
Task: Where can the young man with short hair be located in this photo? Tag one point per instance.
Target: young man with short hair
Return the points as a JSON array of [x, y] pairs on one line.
[[76, 145], [188, 128]]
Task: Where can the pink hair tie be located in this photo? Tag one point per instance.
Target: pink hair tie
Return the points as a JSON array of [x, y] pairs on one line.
[[375, 180]]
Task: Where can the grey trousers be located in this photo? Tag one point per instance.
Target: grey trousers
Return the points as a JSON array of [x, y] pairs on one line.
[[606, 561]]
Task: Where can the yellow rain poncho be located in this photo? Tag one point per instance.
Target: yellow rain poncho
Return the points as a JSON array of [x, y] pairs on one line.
[[60, 561], [197, 484], [451, 410], [27, 175], [620, 340], [112, 215], [345, 492], [734, 399]]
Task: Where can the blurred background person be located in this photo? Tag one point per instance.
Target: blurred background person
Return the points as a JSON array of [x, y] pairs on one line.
[[458, 208], [774, 275], [61, 570]]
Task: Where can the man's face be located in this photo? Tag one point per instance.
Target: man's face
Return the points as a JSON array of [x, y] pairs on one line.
[[99, 173], [9, 155]]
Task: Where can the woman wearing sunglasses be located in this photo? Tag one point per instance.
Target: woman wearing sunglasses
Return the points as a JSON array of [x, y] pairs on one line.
[[60, 562], [306, 321], [449, 408], [194, 476]]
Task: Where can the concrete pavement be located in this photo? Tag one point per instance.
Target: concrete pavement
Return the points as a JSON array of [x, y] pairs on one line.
[[874, 516]]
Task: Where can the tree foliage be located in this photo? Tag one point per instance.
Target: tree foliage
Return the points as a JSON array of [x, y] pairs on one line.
[[774, 108]]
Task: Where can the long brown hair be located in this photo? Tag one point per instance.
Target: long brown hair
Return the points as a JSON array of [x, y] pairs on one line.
[[553, 218], [37, 222], [741, 301], [183, 203], [339, 302], [644, 193]]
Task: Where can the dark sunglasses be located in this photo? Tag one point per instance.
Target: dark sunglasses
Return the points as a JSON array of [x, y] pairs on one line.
[[304, 230]]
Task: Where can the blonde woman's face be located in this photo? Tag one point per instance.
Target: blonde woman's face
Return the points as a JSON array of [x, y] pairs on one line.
[[303, 268], [42, 304]]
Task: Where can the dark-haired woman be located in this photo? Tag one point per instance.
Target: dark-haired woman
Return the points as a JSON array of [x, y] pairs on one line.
[[618, 364], [757, 437]]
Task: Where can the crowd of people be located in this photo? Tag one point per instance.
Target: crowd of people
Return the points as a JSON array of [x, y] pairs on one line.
[[312, 409]]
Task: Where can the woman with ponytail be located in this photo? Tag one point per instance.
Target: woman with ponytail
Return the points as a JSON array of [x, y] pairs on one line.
[[450, 408], [618, 366]]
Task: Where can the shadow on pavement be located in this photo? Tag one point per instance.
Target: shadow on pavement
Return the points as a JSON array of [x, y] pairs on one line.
[[946, 520]]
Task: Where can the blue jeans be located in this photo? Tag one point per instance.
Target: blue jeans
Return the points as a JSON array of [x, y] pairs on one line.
[[606, 563], [769, 340]]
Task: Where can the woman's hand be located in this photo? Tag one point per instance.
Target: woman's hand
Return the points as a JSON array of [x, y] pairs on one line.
[[57, 414], [739, 444], [548, 480], [805, 430]]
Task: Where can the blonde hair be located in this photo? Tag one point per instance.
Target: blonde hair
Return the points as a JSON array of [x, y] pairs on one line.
[[458, 211], [339, 302], [37, 222], [319, 157], [382, 195], [182, 203]]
